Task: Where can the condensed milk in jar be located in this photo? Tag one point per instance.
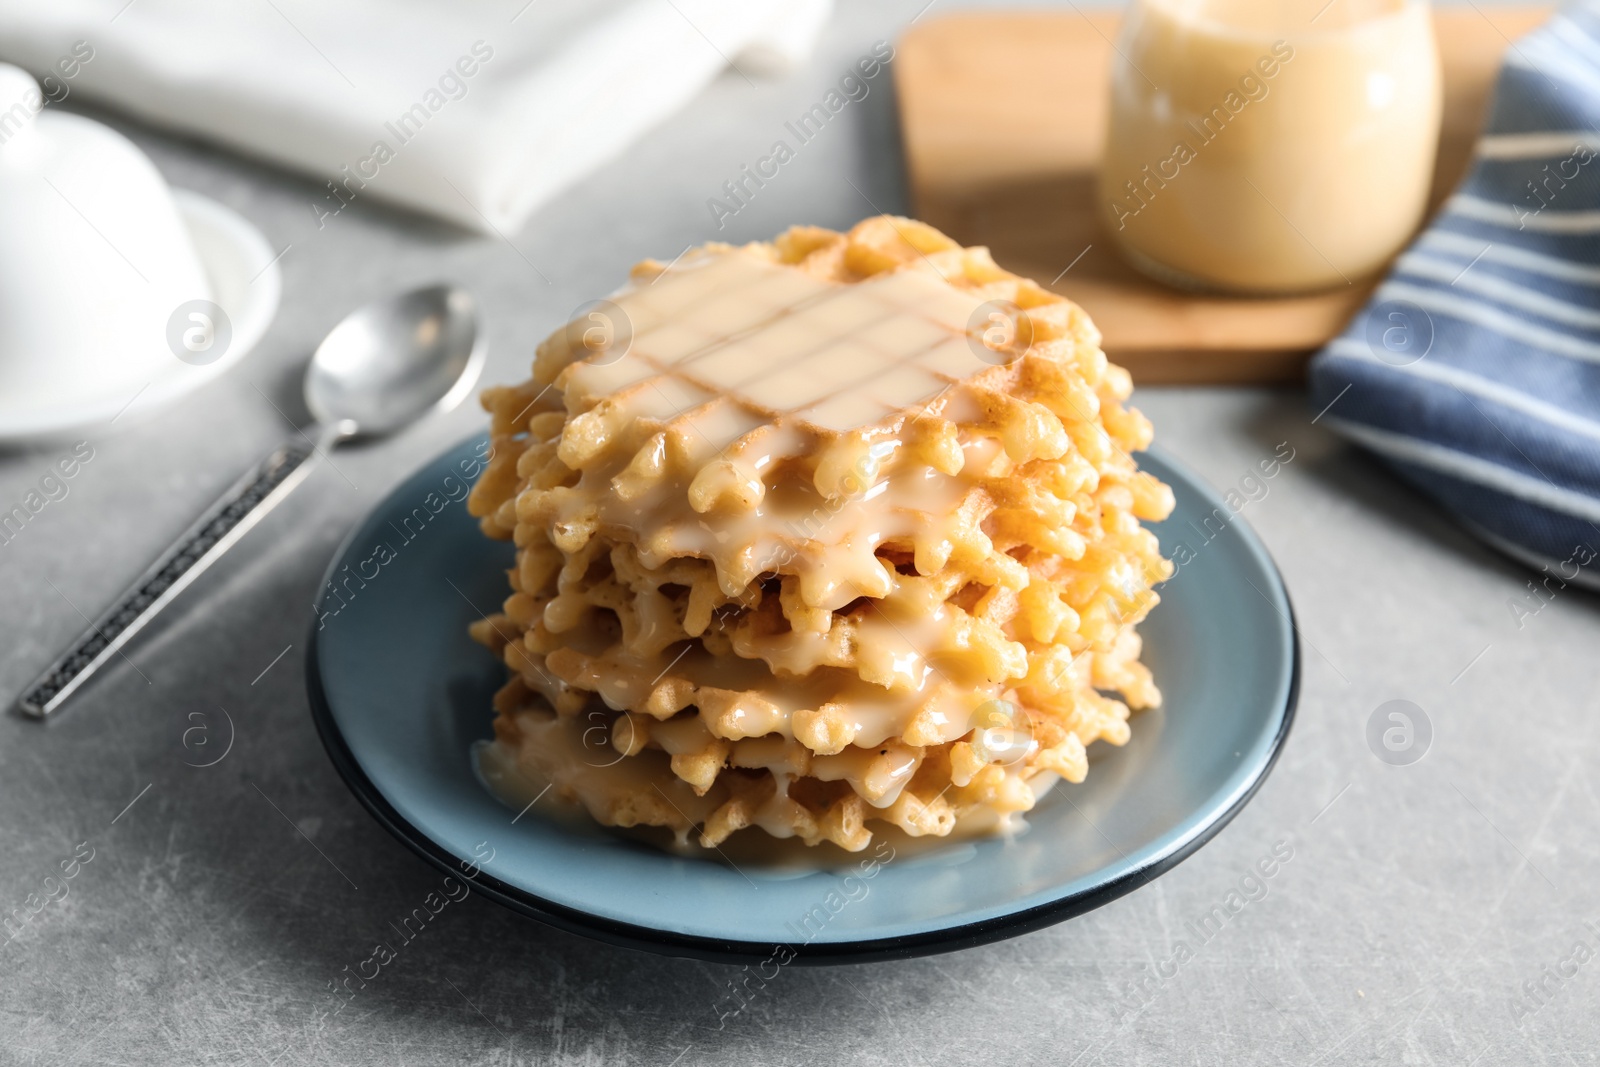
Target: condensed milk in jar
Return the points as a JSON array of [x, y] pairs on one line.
[[1270, 146]]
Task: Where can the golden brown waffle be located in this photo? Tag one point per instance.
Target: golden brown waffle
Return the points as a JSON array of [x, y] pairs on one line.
[[804, 607]]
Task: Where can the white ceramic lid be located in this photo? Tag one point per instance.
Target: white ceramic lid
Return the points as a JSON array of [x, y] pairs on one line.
[[97, 258]]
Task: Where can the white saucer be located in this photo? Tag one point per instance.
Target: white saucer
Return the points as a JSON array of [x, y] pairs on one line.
[[244, 280]]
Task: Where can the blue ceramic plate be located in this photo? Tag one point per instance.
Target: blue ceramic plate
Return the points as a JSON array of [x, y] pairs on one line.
[[400, 694]]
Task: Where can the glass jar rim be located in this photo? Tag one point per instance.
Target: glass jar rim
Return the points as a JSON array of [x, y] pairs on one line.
[[1310, 33]]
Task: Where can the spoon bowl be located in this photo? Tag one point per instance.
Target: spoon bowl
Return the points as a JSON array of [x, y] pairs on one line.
[[394, 360]]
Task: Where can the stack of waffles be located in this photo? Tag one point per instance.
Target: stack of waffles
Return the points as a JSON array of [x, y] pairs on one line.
[[835, 532]]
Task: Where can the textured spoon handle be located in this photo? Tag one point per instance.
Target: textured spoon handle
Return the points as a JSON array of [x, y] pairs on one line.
[[240, 508]]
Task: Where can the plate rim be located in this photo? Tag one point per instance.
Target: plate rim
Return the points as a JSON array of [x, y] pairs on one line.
[[731, 950]]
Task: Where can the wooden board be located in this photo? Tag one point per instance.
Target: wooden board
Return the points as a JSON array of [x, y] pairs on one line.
[[1004, 116]]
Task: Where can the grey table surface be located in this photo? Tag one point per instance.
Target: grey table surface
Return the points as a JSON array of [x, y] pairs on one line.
[[1441, 912]]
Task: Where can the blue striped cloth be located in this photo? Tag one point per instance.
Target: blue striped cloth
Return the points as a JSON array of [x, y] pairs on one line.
[[1475, 369]]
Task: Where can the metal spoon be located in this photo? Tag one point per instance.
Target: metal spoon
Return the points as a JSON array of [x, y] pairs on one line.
[[381, 369]]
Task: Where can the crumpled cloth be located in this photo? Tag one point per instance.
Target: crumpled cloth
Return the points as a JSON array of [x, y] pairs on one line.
[[1474, 372], [477, 111]]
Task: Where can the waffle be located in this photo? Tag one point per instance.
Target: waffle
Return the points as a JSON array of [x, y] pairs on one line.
[[804, 543]]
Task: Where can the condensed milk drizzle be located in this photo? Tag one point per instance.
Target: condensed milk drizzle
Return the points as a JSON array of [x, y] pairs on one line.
[[789, 397]]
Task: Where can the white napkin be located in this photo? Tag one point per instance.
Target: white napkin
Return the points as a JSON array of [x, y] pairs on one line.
[[474, 110]]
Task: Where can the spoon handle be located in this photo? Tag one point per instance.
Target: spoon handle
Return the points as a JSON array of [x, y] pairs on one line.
[[240, 508]]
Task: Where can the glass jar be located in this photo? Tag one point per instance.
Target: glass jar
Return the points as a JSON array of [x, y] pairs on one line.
[[1263, 146]]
